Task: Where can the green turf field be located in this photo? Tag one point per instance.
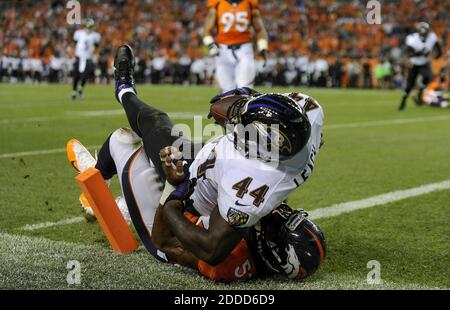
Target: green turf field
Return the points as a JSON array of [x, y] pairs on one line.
[[371, 149]]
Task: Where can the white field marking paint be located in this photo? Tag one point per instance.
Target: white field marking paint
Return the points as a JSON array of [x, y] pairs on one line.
[[190, 115], [27, 120], [326, 212], [71, 220], [41, 152], [175, 115], [389, 122], [57, 251], [378, 200], [105, 113]]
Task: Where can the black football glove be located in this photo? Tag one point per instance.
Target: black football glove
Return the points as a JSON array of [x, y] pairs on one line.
[[183, 191]]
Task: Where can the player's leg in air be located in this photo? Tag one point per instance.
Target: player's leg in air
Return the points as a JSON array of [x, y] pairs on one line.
[[81, 160], [152, 125], [140, 172], [122, 155]]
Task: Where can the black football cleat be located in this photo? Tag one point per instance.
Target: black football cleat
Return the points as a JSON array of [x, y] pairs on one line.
[[124, 63]]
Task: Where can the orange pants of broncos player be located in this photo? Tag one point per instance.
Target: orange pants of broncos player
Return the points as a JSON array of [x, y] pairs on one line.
[[238, 266]]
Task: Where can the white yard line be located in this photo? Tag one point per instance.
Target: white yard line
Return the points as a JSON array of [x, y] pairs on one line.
[[398, 121], [27, 120], [331, 211], [174, 115], [189, 115], [41, 152], [378, 200], [90, 114], [67, 221]]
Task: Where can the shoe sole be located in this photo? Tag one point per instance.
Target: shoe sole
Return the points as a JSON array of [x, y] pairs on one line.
[[71, 154]]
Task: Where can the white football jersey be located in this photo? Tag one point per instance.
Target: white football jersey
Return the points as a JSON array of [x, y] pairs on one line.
[[86, 42], [415, 42], [248, 189]]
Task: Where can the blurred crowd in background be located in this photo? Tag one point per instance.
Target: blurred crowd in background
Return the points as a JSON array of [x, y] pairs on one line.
[[325, 43]]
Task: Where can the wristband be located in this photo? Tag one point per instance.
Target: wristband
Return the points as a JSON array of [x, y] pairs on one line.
[[262, 45], [208, 40]]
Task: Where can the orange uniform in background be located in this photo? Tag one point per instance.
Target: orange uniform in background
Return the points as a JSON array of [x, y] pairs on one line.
[[233, 21]]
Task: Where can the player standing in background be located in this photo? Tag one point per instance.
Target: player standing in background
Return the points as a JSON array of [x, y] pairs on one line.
[[419, 45], [87, 41], [235, 64]]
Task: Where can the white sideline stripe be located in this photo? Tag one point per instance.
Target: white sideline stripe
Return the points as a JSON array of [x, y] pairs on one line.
[[67, 221], [378, 200], [40, 152], [389, 122], [326, 212]]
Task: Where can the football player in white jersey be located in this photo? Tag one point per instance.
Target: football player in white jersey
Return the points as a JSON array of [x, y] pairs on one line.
[[87, 40], [222, 182], [419, 46]]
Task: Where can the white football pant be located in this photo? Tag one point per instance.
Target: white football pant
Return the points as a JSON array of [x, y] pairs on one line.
[[235, 67]]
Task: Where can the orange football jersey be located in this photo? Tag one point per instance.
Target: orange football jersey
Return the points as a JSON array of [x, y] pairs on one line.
[[233, 21], [238, 266]]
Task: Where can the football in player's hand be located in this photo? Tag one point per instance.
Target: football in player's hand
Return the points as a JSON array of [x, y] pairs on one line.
[[219, 109]]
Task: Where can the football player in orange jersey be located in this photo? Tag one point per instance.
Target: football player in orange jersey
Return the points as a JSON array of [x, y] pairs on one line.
[[232, 21]]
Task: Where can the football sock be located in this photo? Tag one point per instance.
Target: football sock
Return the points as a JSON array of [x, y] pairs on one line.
[[105, 163], [132, 106]]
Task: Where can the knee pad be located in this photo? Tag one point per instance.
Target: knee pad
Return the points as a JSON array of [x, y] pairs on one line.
[[126, 136]]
